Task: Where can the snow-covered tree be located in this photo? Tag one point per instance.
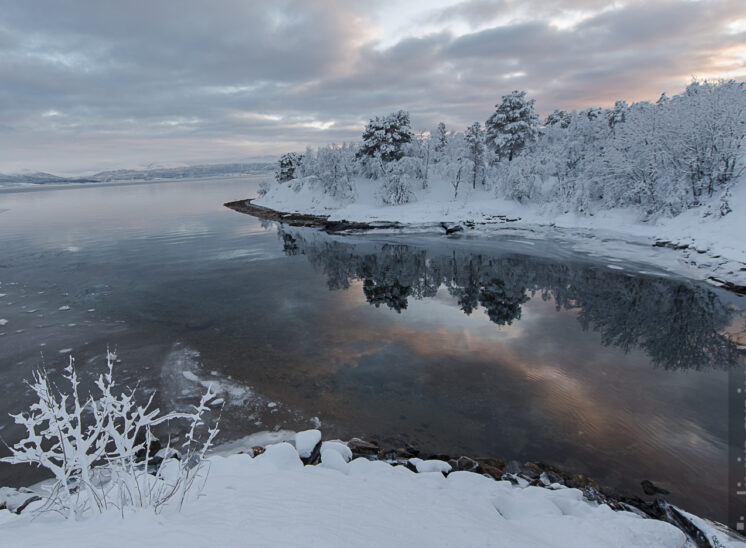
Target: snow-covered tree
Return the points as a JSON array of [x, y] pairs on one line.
[[659, 158], [287, 167], [397, 186], [512, 126], [386, 136], [333, 166], [421, 151], [558, 117], [474, 137], [441, 142]]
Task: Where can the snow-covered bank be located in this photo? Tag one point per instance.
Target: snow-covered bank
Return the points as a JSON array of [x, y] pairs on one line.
[[670, 170], [274, 500], [695, 243]]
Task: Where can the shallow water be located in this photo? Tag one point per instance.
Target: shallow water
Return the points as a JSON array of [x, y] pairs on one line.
[[514, 347]]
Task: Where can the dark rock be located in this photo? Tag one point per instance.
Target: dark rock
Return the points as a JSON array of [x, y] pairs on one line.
[[444, 458], [362, 448], [496, 463], [493, 472], [549, 478], [411, 466], [451, 229], [16, 500], [651, 489], [314, 457], [23, 506], [551, 468], [257, 450], [730, 286], [400, 453], [663, 511], [412, 450], [464, 464], [579, 481], [152, 451], [531, 470], [513, 467]]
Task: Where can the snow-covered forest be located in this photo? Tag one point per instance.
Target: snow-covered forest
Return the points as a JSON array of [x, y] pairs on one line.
[[659, 158]]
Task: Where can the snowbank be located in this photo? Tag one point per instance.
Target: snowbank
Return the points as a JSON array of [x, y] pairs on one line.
[[273, 500], [706, 244]]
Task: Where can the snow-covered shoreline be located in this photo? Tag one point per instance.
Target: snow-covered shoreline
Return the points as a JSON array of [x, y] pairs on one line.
[[693, 243], [274, 499]]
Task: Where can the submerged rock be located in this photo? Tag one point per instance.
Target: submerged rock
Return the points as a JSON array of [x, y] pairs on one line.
[[651, 489]]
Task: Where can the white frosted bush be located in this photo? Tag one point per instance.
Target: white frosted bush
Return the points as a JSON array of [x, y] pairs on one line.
[[98, 448]]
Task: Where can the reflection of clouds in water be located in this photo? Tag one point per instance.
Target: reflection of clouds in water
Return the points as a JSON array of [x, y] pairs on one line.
[[556, 360], [109, 213], [580, 394], [677, 323]]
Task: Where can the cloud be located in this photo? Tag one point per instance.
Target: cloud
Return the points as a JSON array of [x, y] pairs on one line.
[[139, 82]]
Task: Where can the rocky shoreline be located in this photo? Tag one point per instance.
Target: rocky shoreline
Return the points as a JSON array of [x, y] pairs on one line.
[[536, 474], [301, 219], [528, 474], [322, 222]]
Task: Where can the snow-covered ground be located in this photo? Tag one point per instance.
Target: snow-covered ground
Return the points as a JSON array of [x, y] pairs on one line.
[[714, 245], [274, 500]]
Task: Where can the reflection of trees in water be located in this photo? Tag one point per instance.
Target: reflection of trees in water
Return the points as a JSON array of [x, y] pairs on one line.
[[677, 324]]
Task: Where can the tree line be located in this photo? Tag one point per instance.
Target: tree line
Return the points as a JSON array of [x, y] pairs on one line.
[[661, 158]]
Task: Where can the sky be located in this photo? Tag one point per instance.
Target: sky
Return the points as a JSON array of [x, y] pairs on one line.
[[87, 85]]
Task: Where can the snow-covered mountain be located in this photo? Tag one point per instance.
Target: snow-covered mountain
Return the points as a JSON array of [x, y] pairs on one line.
[[38, 177], [181, 172]]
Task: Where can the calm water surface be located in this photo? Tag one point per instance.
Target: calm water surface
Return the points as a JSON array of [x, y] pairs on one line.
[[511, 347]]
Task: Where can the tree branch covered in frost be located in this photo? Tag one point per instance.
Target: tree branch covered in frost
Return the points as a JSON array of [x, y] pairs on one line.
[[660, 158], [99, 448]]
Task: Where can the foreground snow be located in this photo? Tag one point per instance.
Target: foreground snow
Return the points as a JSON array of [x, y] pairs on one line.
[[714, 245], [273, 500]]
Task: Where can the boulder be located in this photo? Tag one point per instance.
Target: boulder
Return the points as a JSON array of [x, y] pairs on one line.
[[491, 471], [362, 448]]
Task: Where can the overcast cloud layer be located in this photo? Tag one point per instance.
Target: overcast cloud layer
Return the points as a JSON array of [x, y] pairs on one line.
[[88, 85]]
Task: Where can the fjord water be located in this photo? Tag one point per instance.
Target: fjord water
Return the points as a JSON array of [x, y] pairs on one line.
[[512, 347]]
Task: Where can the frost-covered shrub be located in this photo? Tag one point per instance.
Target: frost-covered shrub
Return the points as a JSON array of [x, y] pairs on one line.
[[333, 166], [99, 448], [523, 179], [397, 184]]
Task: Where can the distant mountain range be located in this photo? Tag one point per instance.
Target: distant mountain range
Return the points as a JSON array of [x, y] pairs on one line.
[[184, 172]]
